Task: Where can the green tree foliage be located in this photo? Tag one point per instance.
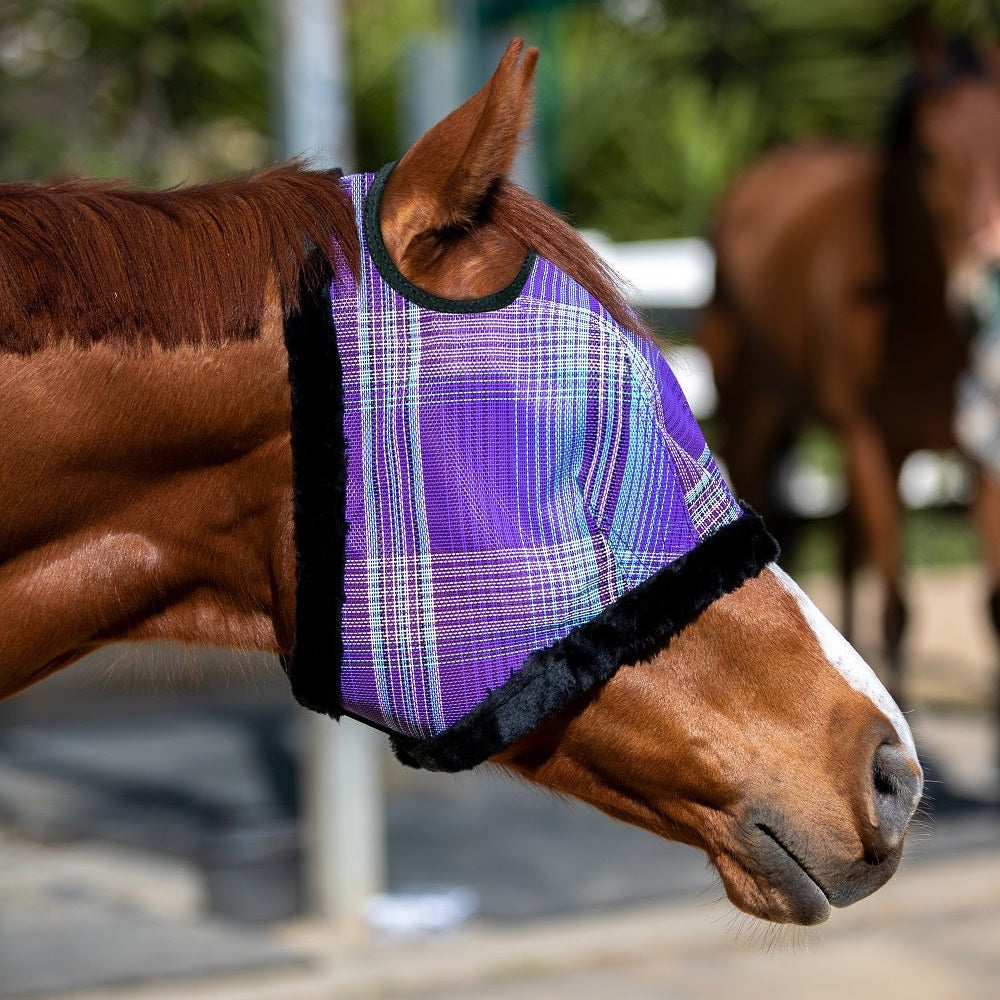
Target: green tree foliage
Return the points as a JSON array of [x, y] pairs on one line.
[[664, 100], [164, 90], [381, 34], [656, 103]]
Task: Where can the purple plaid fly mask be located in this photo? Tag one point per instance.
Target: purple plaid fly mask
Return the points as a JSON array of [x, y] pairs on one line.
[[498, 503]]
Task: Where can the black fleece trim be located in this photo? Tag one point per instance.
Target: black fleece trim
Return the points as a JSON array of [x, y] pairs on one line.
[[635, 627], [397, 280], [319, 490]]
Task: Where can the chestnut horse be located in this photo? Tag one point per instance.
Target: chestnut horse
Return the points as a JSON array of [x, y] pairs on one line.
[[846, 277], [147, 494]]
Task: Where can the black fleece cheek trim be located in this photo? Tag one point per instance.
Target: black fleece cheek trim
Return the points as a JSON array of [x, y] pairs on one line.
[[319, 492], [638, 625]]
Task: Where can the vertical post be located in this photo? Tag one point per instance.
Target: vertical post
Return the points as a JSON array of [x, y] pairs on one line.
[[344, 823], [549, 120], [316, 109], [342, 795]]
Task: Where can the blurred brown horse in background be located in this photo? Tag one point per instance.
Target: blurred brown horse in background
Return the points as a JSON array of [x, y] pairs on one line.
[[846, 278]]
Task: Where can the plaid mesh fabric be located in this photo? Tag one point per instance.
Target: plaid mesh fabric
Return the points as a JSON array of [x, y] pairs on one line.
[[511, 474]]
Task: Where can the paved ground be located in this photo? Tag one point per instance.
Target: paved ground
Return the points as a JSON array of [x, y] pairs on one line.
[[931, 934], [105, 817]]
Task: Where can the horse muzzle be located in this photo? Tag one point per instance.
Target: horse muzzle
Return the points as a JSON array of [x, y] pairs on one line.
[[784, 872]]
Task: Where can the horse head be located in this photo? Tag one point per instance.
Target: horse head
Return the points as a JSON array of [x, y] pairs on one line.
[[943, 144], [756, 732]]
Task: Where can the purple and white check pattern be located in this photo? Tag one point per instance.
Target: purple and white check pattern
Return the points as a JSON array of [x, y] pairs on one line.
[[510, 475]]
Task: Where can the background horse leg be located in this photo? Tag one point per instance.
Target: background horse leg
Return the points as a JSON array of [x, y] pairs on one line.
[[986, 513], [758, 428], [874, 499]]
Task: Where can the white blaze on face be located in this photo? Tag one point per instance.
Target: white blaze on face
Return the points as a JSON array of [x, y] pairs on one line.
[[847, 661]]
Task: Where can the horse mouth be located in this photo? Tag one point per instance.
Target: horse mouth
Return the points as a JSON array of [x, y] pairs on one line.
[[792, 877], [772, 880]]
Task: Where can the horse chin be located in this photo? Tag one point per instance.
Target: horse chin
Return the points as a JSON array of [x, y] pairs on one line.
[[771, 876]]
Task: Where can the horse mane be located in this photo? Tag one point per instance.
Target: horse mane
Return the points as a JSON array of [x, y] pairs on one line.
[[545, 231], [963, 61], [91, 261], [97, 261]]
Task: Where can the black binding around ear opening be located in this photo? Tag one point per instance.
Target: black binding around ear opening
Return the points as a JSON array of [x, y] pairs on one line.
[[398, 281]]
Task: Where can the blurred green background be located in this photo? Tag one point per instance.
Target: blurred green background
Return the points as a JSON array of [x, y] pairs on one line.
[[648, 107], [654, 103]]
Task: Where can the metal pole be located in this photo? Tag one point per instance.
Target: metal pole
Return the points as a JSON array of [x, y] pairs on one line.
[[344, 820], [316, 117], [343, 803]]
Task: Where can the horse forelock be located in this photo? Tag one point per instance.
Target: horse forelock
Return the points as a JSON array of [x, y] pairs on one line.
[[92, 261], [963, 60]]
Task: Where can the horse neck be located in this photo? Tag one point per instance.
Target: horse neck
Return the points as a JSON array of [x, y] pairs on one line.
[[146, 495], [907, 229], [914, 268]]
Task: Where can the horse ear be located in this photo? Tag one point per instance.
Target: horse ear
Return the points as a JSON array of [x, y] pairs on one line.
[[443, 180]]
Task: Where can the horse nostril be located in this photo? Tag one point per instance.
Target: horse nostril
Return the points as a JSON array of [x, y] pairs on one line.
[[896, 787], [884, 782]]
